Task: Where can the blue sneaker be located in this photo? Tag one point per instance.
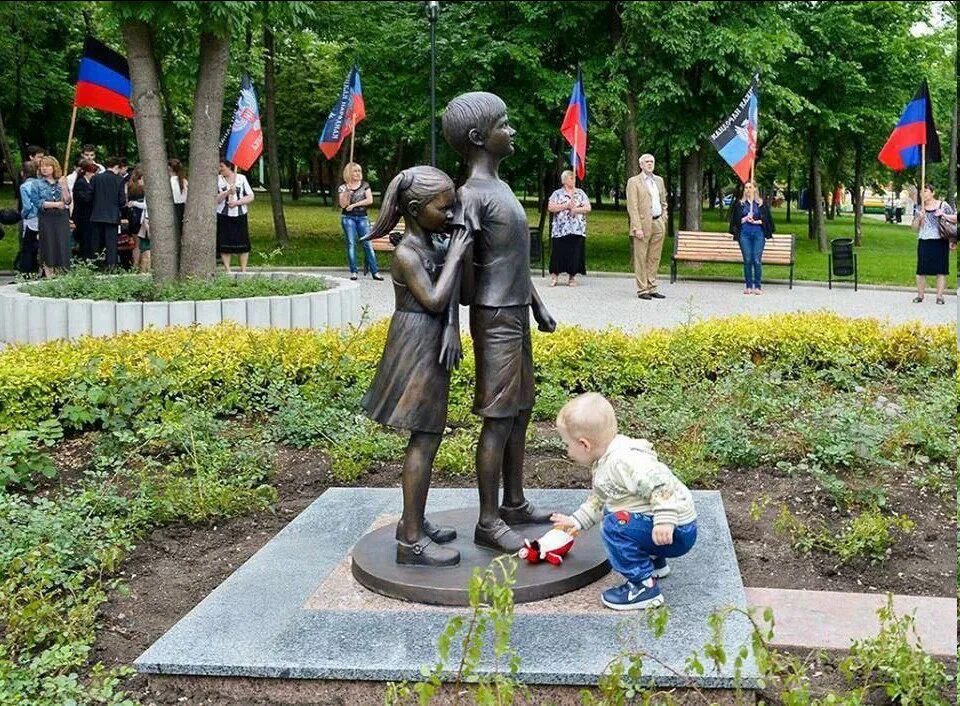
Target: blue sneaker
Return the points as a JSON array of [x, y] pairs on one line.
[[660, 567], [631, 596]]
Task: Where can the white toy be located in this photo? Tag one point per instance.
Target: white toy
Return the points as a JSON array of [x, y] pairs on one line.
[[550, 548]]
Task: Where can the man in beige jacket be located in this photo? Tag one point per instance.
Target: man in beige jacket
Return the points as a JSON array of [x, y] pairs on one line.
[[647, 206]]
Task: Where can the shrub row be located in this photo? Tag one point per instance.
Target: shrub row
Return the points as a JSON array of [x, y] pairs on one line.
[[238, 369]]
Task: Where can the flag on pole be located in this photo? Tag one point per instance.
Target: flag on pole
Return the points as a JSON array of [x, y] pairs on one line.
[[344, 116], [103, 81], [245, 140], [736, 137], [574, 127], [915, 128]]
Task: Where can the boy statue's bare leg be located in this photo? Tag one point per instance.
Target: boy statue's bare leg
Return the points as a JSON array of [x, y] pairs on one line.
[[492, 531], [516, 509]]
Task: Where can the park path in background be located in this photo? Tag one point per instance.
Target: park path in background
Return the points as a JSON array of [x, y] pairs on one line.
[[611, 300]]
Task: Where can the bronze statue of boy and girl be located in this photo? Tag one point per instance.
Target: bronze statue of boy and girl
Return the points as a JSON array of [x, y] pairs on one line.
[[483, 264]]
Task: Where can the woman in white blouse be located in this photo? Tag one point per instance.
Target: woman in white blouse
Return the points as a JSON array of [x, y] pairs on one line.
[[233, 233]]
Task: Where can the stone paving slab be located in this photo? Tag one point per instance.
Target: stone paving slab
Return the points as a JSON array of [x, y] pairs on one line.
[[265, 621], [832, 620]]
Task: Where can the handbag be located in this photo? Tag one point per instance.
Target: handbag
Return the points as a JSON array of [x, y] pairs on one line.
[[948, 229]]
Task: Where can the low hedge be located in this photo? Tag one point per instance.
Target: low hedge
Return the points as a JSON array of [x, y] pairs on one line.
[[236, 368], [85, 283]]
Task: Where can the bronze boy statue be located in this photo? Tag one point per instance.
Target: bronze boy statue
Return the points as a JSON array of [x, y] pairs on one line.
[[501, 297]]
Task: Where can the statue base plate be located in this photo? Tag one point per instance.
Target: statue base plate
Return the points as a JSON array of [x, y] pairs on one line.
[[375, 565]]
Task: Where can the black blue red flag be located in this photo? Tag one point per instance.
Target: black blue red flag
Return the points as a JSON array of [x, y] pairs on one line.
[[574, 127], [345, 115], [915, 128], [245, 140], [736, 137], [103, 81]]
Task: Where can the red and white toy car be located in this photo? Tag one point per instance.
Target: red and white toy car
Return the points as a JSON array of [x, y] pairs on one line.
[[550, 548]]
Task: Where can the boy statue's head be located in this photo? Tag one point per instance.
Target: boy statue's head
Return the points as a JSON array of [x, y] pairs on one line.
[[470, 118], [587, 424]]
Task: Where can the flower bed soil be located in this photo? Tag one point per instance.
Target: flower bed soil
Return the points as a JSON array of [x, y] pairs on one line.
[[176, 567]]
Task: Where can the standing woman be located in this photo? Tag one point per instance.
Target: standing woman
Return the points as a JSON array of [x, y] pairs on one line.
[[354, 195], [54, 218], [751, 225], [569, 206], [83, 208], [233, 232], [178, 185], [933, 251]]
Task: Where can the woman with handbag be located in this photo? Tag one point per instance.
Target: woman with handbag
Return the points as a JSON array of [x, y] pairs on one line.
[[934, 241]]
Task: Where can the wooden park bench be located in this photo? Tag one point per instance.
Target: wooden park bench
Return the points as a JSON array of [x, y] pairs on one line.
[[697, 246]]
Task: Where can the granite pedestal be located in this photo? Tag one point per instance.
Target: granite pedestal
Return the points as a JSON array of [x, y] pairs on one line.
[[294, 611]]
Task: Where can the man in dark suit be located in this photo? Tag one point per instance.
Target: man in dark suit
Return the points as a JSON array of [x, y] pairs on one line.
[[108, 199]]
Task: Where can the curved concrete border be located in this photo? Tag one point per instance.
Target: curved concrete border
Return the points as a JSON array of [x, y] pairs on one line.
[[29, 319]]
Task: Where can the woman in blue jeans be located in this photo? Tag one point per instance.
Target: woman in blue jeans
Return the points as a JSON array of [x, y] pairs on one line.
[[751, 225], [354, 196]]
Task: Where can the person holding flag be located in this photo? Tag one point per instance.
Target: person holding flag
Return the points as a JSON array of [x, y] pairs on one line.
[[568, 204], [913, 143]]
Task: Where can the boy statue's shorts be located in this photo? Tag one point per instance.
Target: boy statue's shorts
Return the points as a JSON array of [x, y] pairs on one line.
[[504, 360]]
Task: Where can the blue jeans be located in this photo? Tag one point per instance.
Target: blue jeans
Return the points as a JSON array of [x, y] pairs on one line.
[[628, 537], [355, 227], [751, 245]]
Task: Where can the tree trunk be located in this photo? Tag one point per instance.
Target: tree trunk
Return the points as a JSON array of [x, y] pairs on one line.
[[198, 257], [7, 157], [857, 193], [811, 194], [789, 186], [270, 136], [670, 195], [952, 165], [693, 190], [630, 141], [168, 123], [148, 124], [819, 224]]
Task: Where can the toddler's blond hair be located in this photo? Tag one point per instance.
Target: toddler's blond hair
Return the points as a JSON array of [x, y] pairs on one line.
[[589, 416]]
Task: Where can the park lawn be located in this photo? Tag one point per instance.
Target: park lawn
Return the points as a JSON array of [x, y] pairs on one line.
[[888, 255]]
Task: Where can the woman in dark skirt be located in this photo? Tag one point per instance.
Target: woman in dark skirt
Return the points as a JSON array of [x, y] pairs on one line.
[[54, 219], [933, 251], [83, 208], [412, 383], [233, 233], [569, 206]]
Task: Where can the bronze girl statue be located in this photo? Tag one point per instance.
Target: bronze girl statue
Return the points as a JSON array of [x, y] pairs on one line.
[[412, 383]]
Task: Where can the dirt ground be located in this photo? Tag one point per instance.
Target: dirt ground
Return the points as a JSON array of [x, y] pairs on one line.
[[176, 567]]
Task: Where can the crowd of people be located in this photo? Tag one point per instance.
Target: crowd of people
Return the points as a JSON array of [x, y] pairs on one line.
[[97, 213]]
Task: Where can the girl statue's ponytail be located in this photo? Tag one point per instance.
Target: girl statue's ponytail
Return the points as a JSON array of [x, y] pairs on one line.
[[390, 212]]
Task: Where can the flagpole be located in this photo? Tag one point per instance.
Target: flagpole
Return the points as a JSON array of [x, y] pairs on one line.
[[575, 155], [66, 158], [923, 172], [353, 133]]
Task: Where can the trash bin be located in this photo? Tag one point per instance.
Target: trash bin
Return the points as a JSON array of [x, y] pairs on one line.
[[842, 261], [536, 248]]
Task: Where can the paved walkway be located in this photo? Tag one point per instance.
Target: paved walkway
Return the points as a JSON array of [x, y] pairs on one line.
[[610, 300], [830, 620]]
